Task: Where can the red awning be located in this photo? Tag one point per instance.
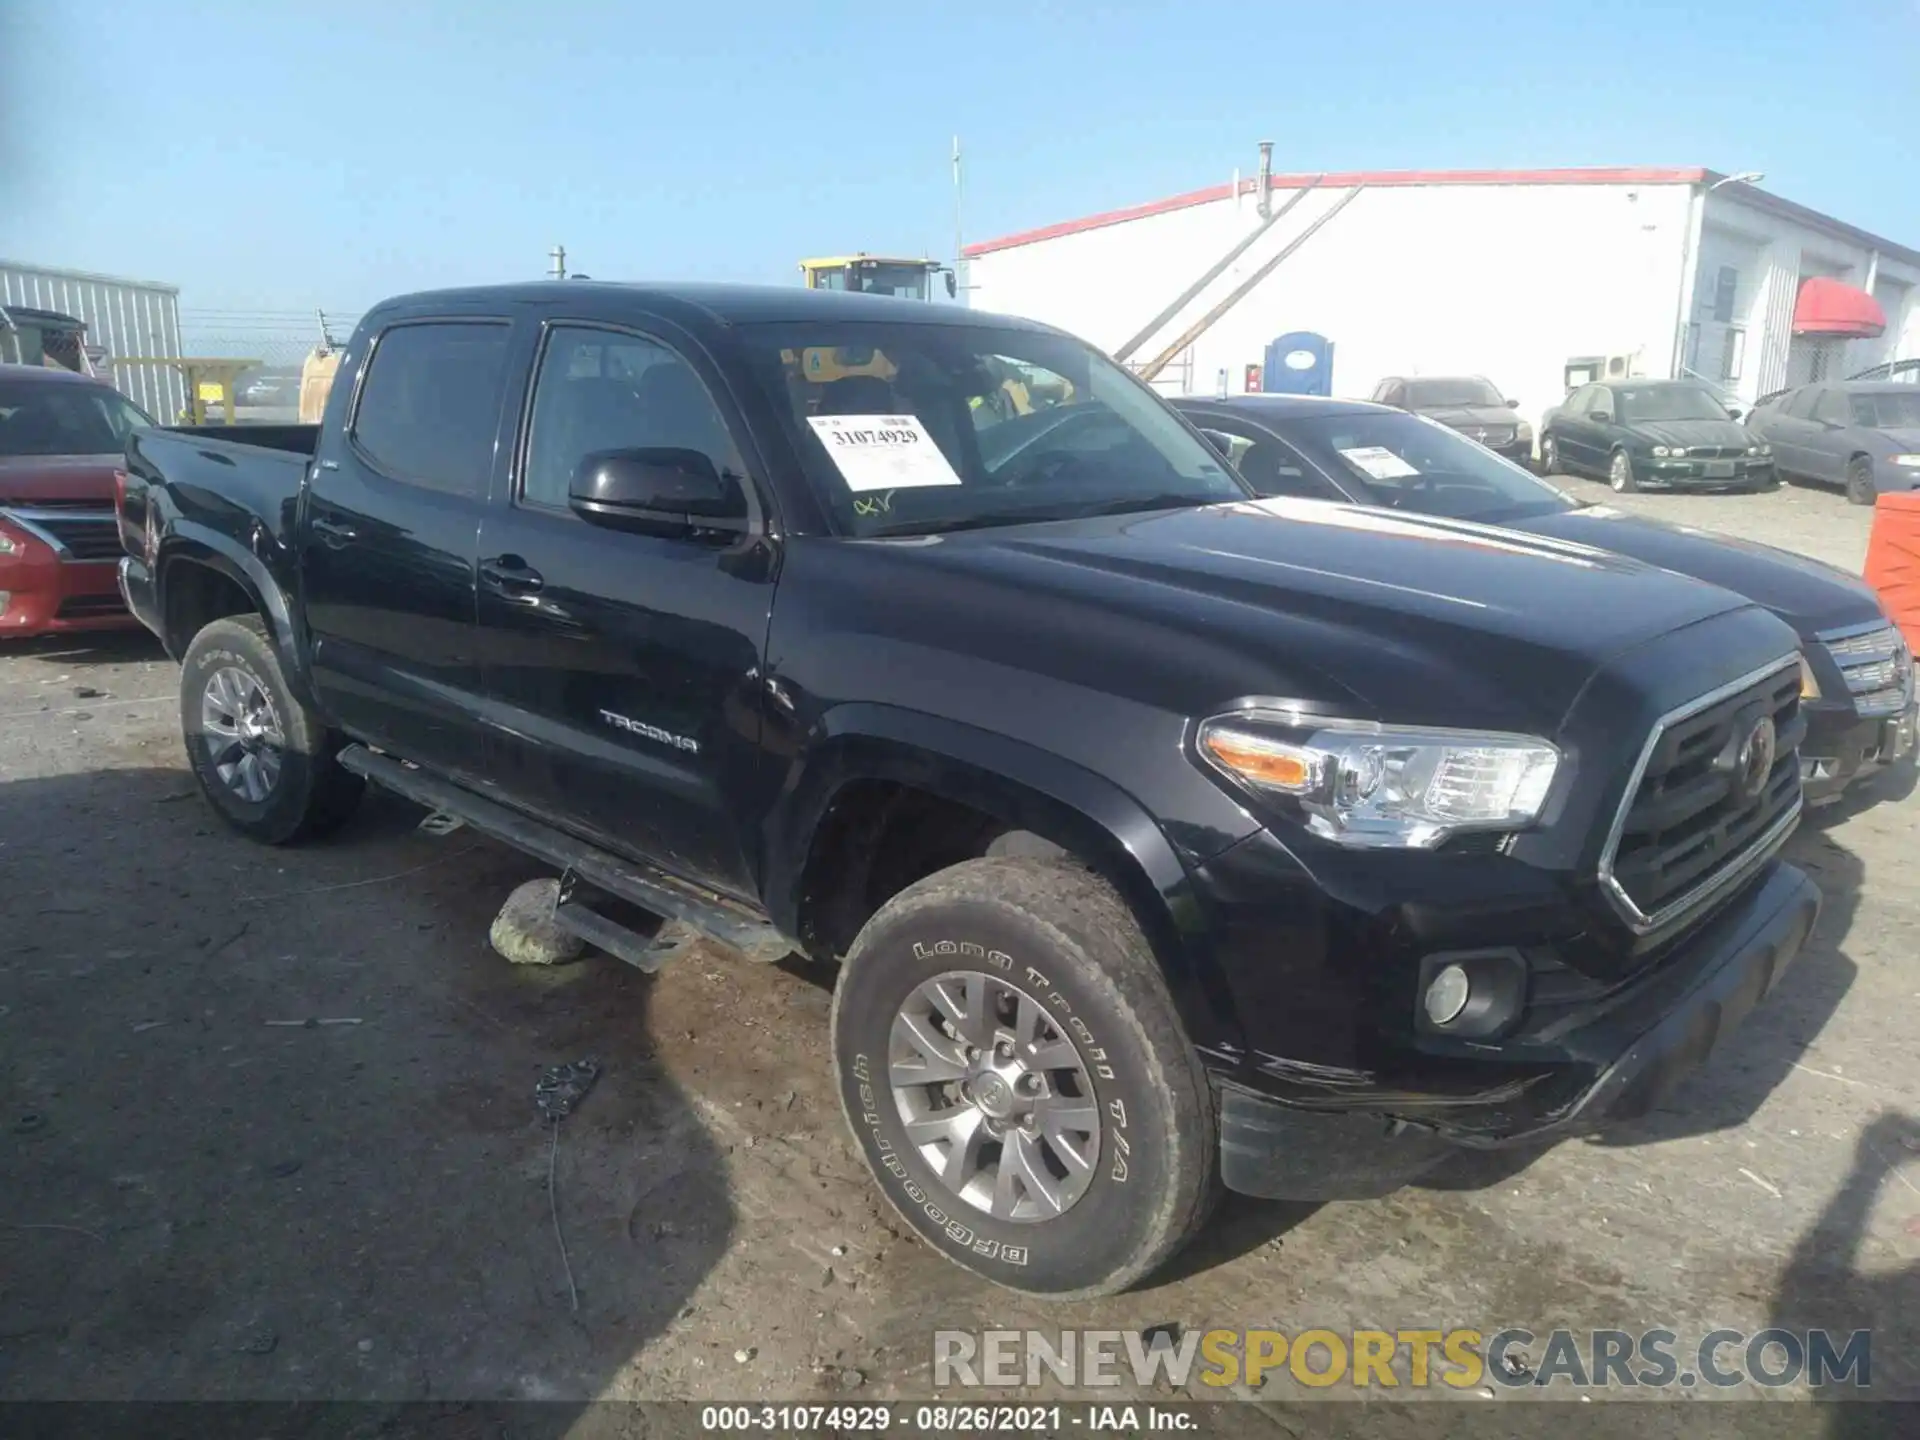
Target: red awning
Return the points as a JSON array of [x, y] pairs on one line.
[[1832, 307]]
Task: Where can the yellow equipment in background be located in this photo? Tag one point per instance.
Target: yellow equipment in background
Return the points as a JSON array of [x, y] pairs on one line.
[[864, 274]]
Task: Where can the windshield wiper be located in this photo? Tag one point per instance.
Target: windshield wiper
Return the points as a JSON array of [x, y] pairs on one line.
[[1167, 500]]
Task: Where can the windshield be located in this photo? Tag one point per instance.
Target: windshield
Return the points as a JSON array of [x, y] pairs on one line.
[[1666, 402], [1452, 392], [914, 429], [907, 281], [1888, 411], [1408, 463], [42, 418]]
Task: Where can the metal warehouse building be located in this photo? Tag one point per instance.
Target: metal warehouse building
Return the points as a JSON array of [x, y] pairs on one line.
[[1532, 278], [125, 319]]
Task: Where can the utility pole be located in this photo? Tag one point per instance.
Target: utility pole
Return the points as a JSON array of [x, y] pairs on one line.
[[959, 248], [559, 257]]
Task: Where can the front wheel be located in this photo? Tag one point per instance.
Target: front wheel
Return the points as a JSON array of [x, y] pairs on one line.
[[1550, 463], [1620, 474], [1860, 487], [264, 760], [1014, 1072]]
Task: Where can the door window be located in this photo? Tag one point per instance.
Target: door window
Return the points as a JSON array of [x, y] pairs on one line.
[[430, 404], [601, 390], [1832, 408], [1799, 405], [1391, 392]]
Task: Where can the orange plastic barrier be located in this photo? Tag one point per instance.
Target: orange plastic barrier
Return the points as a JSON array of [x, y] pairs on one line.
[[1893, 560]]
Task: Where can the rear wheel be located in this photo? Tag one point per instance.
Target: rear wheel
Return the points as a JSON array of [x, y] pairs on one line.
[[1550, 455], [1860, 487], [1620, 473], [1013, 1069], [263, 759]]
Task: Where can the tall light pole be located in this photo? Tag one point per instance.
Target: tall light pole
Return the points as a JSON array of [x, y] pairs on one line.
[[1745, 177]]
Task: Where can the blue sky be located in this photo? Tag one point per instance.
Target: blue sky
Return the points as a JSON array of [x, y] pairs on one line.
[[295, 153]]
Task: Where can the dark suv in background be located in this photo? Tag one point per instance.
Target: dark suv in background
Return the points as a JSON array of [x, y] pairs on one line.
[[1471, 404]]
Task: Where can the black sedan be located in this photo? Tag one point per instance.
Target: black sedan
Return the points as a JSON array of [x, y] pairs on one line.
[[1471, 404], [1645, 433], [1857, 683]]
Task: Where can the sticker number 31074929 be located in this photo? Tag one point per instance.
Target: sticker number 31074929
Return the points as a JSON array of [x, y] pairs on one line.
[[882, 452]]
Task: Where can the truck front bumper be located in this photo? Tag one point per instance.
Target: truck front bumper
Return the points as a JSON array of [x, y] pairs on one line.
[[1579, 1059], [1842, 748]]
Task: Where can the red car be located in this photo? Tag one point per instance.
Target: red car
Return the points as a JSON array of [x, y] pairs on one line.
[[62, 437]]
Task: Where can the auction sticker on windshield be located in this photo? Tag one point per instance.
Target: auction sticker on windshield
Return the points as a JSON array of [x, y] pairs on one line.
[[1379, 462], [883, 452]]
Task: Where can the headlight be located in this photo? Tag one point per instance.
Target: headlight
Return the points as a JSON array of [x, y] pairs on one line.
[[1661, 452], [1522, 430], [1760, 449], [1375, 786], [1904, 459], [1809, 687]]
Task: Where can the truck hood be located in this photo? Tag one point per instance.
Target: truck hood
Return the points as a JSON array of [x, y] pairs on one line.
[[1265, 598], [1808, 594], [1690, 433], [57, 479]]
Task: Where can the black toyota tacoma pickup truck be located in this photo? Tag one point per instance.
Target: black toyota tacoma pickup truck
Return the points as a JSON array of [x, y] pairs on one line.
[[1164, 838]]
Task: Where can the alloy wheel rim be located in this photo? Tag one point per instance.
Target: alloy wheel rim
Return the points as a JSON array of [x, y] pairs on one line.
[[995, 1096], [241, 731], [1619, 472]]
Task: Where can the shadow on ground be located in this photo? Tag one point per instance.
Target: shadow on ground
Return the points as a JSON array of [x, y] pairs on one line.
[[203, 1196]]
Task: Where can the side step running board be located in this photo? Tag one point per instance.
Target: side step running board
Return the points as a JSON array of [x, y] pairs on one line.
[[725, 920]]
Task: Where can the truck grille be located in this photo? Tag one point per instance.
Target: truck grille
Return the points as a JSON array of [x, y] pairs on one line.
[[1491, 434], [1704, 808], [1876, 664], [91, 534]]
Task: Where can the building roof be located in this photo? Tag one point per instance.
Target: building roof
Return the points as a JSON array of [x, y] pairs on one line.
[[1341, 180]]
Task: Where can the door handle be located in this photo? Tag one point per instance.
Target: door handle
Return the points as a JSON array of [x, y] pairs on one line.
[[332, 532], [510, 575]]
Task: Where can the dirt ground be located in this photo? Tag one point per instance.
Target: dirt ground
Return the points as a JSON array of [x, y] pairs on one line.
[[200, 1199]]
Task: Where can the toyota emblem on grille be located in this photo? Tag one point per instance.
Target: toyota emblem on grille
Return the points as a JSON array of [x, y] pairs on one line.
[[1753, 766]]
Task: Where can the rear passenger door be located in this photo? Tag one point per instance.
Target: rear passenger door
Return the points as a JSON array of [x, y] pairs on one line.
[[393, 510], [622, 668]]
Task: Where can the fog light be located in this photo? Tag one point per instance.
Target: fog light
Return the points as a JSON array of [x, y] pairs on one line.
[[1447, 995]]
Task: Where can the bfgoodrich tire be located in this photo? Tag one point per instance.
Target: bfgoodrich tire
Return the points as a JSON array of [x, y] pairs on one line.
[[264, 761], [1014, 1072]]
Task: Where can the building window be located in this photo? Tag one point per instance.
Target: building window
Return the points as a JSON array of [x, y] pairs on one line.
[[1733, 354], [1726, 286]]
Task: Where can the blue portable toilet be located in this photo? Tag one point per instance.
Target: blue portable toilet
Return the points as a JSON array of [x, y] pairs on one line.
[[1300, 363]]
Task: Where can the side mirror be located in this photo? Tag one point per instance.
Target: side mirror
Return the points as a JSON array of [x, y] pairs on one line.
[[1600, 417], [1732, 414], [1513, 404], [658, 490], [1221, 442]]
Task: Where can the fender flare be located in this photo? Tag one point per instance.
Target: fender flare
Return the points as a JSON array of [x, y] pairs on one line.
[[1031, 789], [195, 544]]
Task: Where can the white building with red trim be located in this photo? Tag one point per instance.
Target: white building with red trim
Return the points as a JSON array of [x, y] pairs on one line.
[[1512, 274]]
